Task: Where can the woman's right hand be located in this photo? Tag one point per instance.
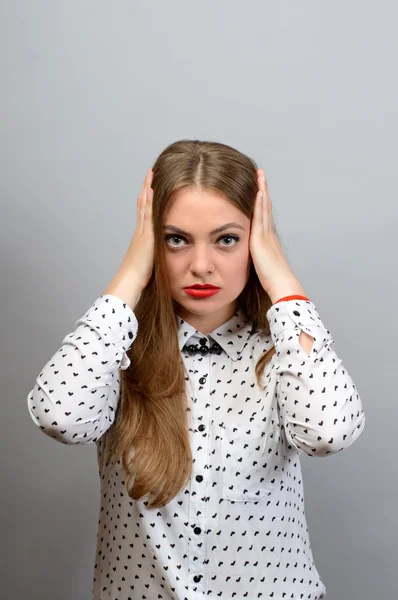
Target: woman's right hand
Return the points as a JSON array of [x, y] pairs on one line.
[[137, 266], [140, 254]]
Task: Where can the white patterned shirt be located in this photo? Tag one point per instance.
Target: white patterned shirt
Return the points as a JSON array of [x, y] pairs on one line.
[[238, 530]]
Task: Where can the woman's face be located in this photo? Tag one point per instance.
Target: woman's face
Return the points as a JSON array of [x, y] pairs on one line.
[[199, 256]]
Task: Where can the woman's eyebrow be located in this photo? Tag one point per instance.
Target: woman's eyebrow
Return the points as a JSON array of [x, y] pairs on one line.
[[222, 228]]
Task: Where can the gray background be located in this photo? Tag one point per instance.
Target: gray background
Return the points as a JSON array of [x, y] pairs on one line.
[[91, 93]]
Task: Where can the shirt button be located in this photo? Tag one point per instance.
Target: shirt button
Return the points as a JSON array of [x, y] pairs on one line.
[[197, 578], [202, 380], [199, 477], [201, 427], [197, 530]]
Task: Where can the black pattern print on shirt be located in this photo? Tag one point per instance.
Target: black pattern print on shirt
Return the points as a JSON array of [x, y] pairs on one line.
[[238, 530]]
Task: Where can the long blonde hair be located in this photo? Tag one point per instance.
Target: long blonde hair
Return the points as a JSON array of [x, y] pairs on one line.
[[151, 418]]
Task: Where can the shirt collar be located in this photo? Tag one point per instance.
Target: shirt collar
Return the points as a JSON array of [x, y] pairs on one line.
[[231, 335]]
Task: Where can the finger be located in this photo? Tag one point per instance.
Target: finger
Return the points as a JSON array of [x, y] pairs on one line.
[[142, 197], [264, 210], [257, 220], [148, 206], [265, 186], [267, 200]]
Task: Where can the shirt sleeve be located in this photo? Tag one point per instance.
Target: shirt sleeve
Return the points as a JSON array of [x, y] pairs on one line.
[[76, 395], [319, 404]]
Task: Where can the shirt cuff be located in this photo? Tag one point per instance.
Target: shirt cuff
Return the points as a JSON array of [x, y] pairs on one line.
[[293, 314], [112, 314]]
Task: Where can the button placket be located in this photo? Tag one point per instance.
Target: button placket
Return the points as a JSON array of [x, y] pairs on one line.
[[198, 507], [201, 439]]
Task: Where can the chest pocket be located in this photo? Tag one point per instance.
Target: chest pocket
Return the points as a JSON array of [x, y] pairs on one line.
[[251, 464]]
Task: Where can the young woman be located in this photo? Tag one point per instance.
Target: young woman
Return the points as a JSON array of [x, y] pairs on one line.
[[200, 402]]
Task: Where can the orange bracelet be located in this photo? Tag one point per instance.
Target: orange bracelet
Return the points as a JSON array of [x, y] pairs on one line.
[[292, 298]]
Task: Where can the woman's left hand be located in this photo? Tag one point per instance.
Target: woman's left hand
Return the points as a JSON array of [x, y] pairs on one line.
[[272, 267]]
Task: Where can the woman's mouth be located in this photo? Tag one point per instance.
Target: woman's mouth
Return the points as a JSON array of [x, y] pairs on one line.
[[202, 293]]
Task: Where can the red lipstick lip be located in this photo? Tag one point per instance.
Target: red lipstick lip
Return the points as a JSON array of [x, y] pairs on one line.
[[201, 293]]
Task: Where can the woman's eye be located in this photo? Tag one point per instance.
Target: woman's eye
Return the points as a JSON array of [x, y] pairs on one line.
[[180, 237]]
